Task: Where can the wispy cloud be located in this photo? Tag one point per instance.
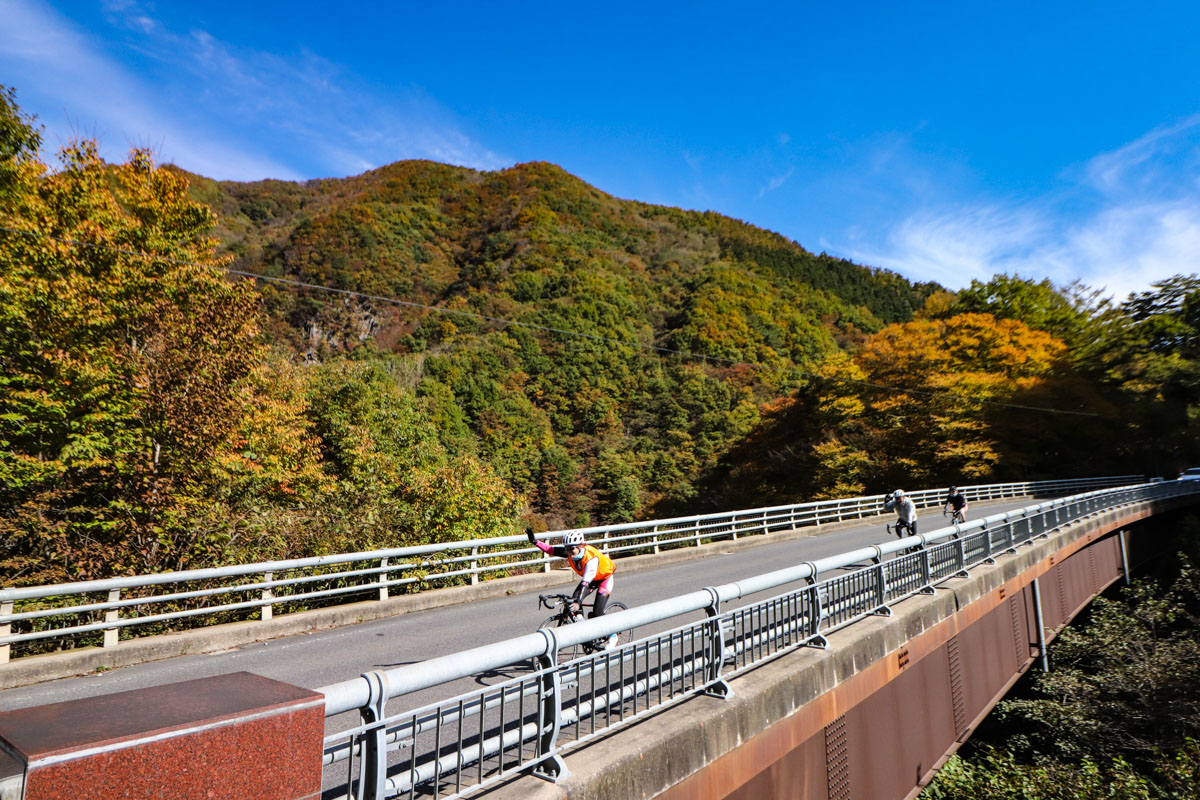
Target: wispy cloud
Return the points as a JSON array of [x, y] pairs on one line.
[[95, 96], [1120, 221], [224, 111], [776, 182]]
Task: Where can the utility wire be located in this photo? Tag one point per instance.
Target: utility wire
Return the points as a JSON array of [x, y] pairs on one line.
[[379, 298], [504, 321]]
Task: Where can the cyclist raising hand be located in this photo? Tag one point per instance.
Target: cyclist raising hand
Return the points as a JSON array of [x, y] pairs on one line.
[[906, 512], [595, 569]]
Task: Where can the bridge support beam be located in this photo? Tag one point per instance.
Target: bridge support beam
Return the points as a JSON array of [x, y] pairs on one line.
[[1041, 624]]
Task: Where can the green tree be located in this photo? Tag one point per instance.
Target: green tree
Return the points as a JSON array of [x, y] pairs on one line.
[[397, 484], [1125, 685], [1146, 355], [1067, 313], [120, 358]]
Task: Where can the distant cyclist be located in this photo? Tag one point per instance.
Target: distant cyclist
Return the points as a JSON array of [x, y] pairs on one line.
[[594, 569], [957, 502], [906, 512]]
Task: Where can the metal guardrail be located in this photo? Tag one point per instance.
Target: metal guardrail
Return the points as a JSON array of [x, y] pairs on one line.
[[454, 746], [102, 611]]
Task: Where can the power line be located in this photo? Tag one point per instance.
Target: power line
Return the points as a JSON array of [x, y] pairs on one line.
[[380, 298], [504, 321]]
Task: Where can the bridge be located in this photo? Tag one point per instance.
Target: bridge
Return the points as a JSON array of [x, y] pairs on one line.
[[775, 680]]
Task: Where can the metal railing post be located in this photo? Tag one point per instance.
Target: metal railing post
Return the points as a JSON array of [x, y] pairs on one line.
[[926, 571], [715, 685], [881, 606], [654, 538], [474, 566], [816, 611], [550, 765], [372, 784], [267, 596], [383, 587], [112, 635]]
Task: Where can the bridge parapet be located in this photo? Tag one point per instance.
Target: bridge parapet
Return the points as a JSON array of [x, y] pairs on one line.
[[878, 711], [910, 646], [528, 722]]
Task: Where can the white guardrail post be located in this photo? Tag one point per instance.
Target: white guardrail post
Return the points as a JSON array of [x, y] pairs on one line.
[[267, 596], [6, 608], [112, 635]]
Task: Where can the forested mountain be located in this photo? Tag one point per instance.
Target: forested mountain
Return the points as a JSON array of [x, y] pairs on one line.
[[587, 430], [500, 349]]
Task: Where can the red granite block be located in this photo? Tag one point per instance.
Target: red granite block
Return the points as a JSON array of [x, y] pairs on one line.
[[233, 736]]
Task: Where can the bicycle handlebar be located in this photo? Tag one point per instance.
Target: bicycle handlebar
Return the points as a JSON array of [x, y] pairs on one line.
[[553, 601]]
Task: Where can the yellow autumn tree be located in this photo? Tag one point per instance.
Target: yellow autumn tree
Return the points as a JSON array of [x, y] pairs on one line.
[[915, 405]]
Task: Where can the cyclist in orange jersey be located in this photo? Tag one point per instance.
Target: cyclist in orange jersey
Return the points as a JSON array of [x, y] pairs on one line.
[[595, 571]]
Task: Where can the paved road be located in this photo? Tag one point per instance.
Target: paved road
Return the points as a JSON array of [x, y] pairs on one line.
[[325, 657]]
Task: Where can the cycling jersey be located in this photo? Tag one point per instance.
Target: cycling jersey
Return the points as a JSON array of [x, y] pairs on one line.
[[905, 509], [958, 500], [592, 565], [594, 568]]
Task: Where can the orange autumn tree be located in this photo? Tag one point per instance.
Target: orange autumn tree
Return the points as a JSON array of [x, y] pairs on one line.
[[915, 406]]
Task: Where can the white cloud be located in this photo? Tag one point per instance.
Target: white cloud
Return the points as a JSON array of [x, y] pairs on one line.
[[55, 62], [776, 182], [220, 110], [1127, 218]]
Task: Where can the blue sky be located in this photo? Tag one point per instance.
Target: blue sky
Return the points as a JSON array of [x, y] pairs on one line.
[[946, 141]]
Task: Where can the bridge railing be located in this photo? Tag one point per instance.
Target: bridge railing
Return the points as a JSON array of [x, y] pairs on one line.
[[457, 745], [40, 618]]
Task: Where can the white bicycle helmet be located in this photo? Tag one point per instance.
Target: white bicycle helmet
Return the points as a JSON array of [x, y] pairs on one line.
[[898, 493], [572, 538]]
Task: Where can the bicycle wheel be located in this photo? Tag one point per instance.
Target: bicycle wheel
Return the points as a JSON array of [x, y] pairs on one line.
[[625, 636], [570, 652]]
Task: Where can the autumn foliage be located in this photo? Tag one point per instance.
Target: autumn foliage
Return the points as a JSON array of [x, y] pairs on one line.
[[549, 354]]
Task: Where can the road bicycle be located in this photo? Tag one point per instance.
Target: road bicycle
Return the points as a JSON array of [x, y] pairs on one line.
[[955, 516], [564, 616], [900, 528]]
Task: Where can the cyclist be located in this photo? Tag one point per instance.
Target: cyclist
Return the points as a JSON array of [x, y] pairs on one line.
[[906, 512], [958, 501], [595, 571]]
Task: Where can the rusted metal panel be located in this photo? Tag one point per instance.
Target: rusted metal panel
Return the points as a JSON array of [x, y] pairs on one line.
[[1053, 598], [1108, 557], [837, 760], [1077, 582], [1019, 622], [988, 654], [802, 774], [911, 719], [914, 707]]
